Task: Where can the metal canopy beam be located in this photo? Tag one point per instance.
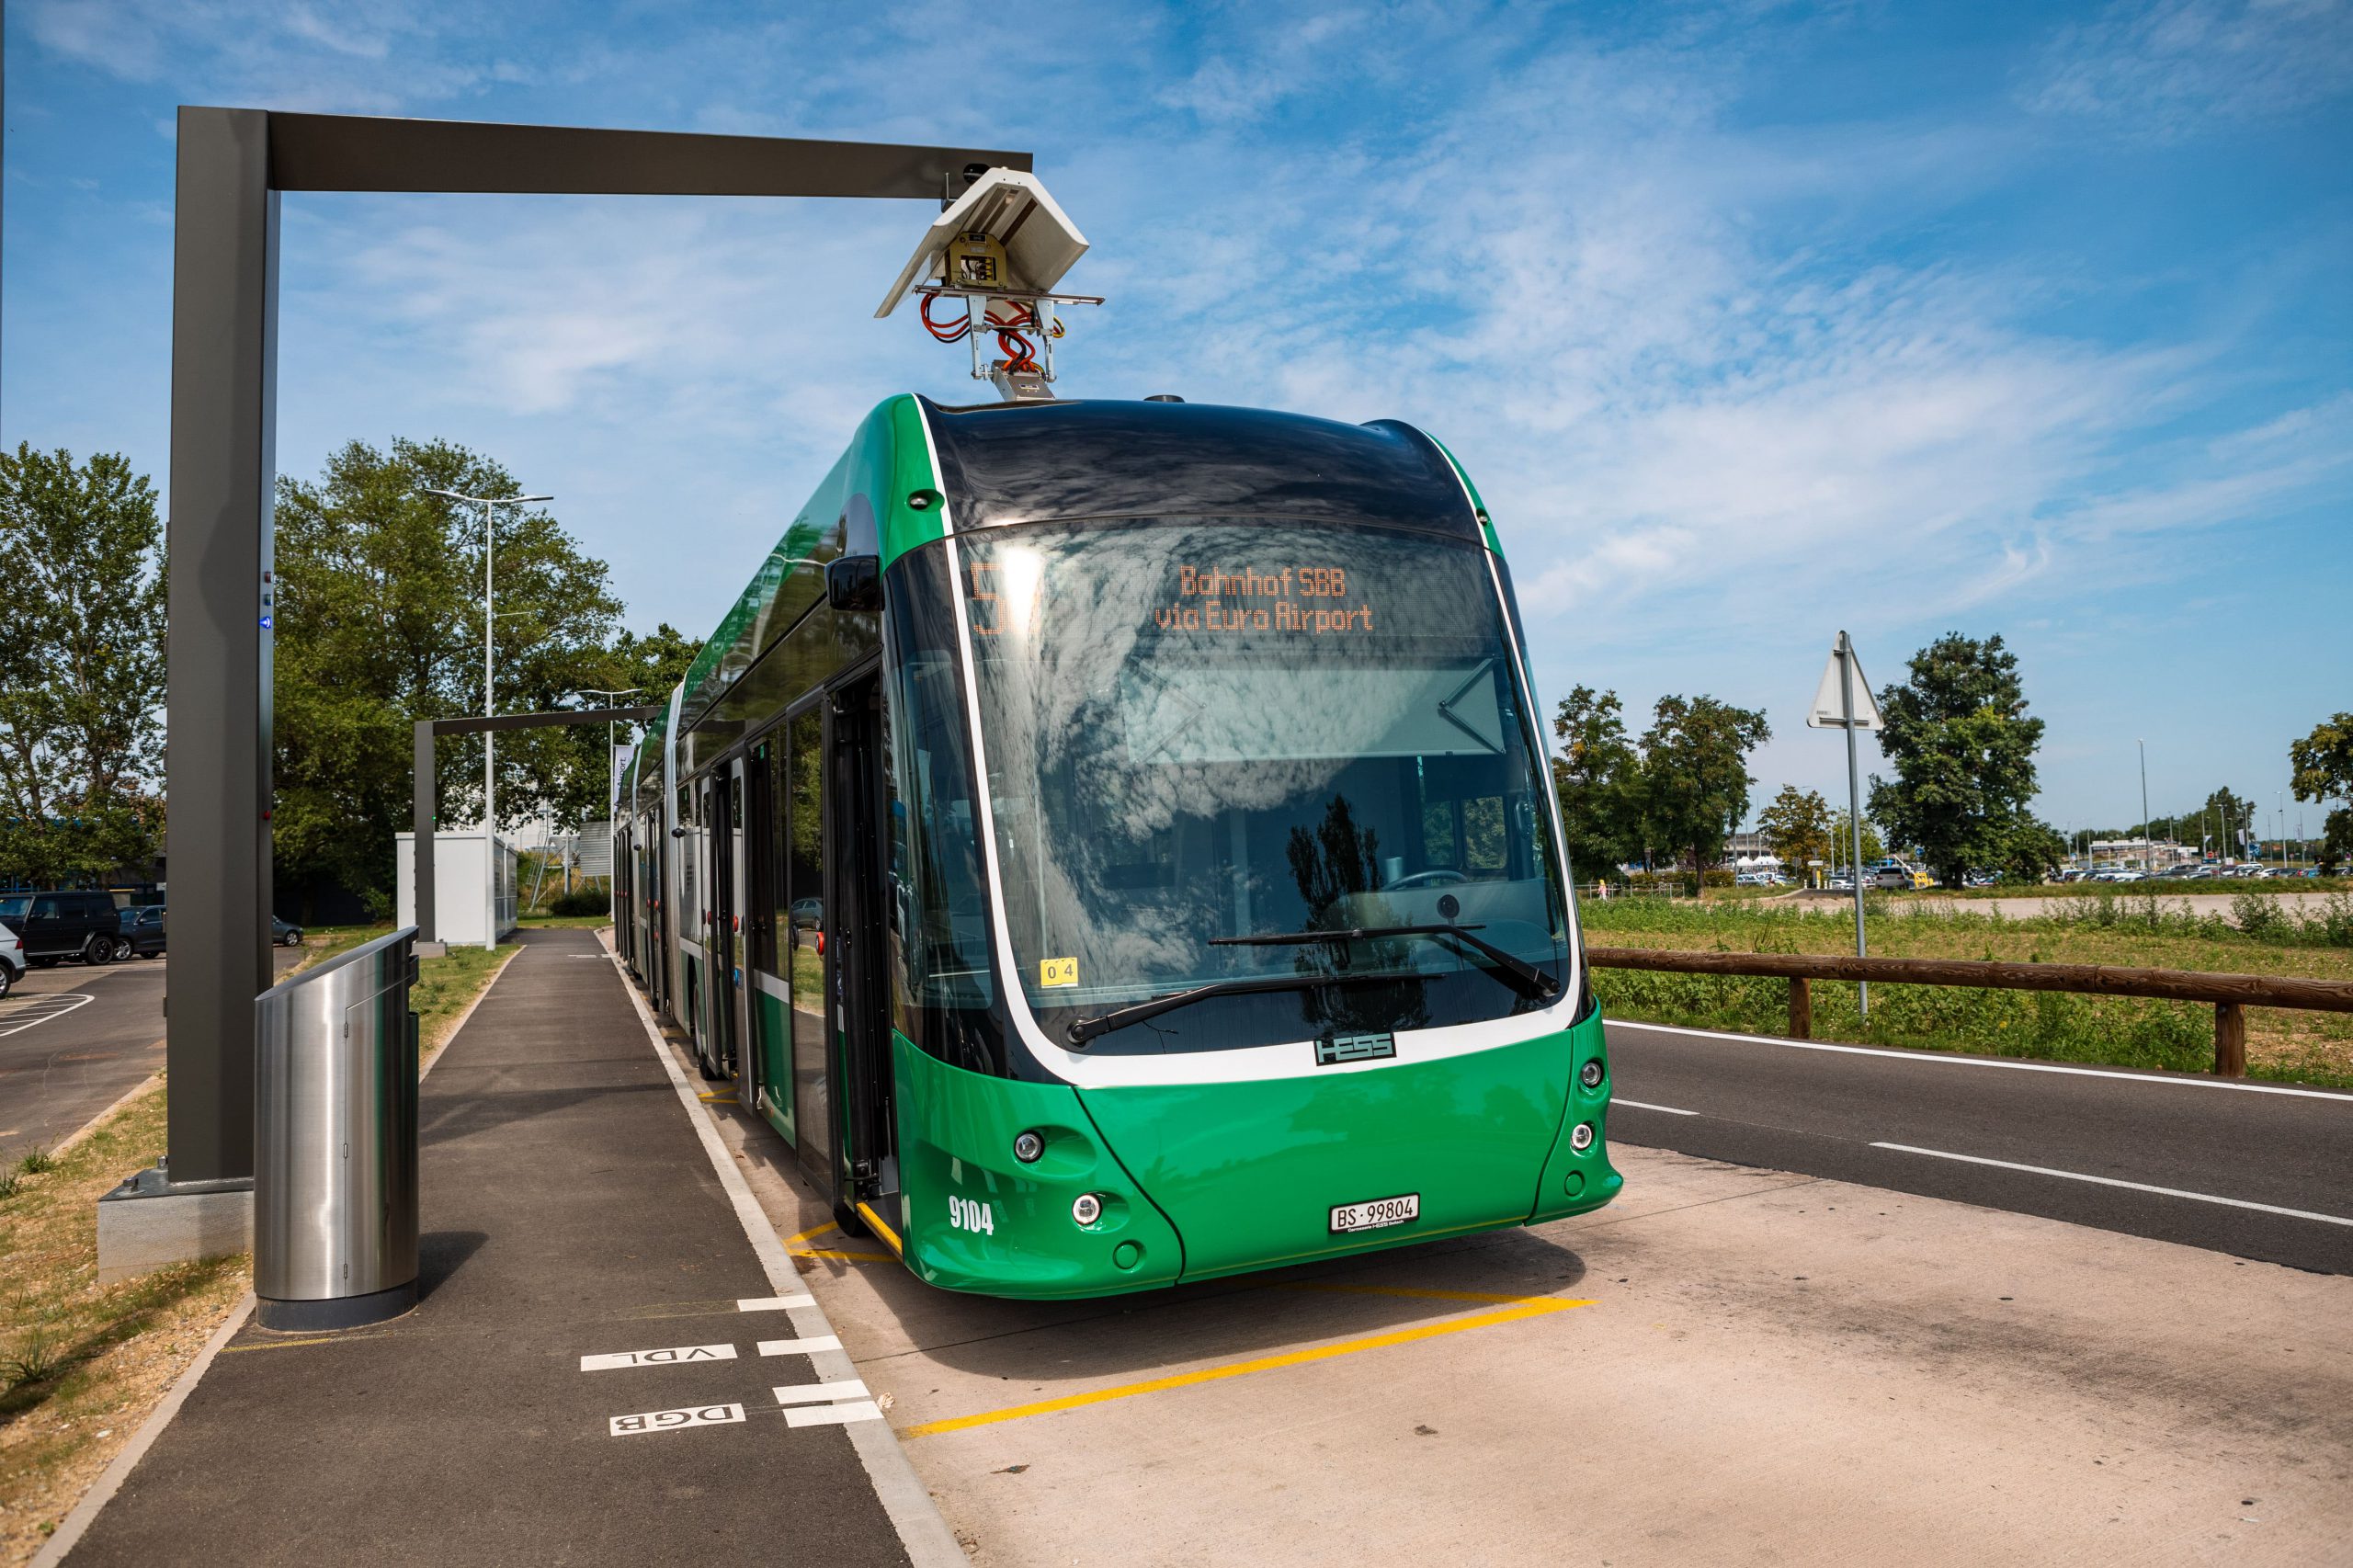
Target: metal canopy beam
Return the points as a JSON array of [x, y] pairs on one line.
[[421, 809], [232, 165], [331, 151]]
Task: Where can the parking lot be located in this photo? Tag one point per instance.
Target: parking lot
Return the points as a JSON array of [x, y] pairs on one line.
[[75, 1039]]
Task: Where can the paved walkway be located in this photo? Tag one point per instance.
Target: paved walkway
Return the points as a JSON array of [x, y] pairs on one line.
[[570, 1211]]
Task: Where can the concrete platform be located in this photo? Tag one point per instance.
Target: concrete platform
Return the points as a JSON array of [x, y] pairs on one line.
[[1729, 1366], [570, 1212]]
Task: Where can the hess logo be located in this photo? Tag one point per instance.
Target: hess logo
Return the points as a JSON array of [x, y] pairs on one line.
[[1354, 1048]]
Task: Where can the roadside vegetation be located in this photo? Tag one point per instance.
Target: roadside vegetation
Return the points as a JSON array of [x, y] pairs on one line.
[[2259, 936], [81, 1365]]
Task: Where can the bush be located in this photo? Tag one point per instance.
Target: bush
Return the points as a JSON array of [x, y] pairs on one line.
[[581, 901]]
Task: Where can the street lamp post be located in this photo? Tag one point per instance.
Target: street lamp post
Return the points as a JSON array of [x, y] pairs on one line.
[[489, 741]]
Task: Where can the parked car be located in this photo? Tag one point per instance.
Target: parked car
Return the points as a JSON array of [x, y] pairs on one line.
[[12, 960], [284, 936], [808, 913], [53, 926], [143, 933]]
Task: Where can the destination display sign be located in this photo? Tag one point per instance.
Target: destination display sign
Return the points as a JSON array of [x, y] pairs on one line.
[[1304, 599]]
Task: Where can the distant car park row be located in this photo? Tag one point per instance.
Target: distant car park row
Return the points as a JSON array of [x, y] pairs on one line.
[[41, 930]]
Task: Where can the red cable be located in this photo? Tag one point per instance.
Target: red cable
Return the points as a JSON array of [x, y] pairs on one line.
[[947, 331]]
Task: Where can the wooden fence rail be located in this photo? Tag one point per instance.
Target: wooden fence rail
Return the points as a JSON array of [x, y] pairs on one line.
[[2231, 994]]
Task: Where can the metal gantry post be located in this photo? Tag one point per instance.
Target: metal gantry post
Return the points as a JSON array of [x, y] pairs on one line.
[[218, 534]]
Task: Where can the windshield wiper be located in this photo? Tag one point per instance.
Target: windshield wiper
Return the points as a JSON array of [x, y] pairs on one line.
[[1081, 1030], [1523, 976]]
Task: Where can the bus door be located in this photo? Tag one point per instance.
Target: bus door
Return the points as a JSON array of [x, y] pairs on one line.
[[769, 934], [724, 815], [857, 875], [807, 977], [743, 917]]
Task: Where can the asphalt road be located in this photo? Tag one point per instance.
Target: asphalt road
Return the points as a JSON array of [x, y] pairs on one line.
[[65, 1059], [2257, 1171]]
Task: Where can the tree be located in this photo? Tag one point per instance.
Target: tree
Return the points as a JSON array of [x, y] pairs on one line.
[[1841, 832], [81, 667], [1597, 775], [2324, 771], [1963, 752], [653, 664], [380, 625], [1796, 825], [1695, 781]]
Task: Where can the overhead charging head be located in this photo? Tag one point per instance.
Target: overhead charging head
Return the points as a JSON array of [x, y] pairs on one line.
[[1001, 247]]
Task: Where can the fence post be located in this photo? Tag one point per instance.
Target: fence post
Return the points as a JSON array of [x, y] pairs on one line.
[[1801, 1008], [2230, 1041]]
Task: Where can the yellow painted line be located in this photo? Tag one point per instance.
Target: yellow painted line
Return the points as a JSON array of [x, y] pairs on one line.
[[297, 1343], [1406, 1291], [1533, 1308], [890, 1237], [850, 1256], [722, 1095], [813, 1231]]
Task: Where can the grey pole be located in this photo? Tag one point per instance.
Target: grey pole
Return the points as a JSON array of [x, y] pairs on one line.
[[489, 504], [1854, 805], [217, 755], [2148, 844]]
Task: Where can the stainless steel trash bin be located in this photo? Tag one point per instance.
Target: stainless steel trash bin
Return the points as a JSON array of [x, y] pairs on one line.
[[335, 1141]]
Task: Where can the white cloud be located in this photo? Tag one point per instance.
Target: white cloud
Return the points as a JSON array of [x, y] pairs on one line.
[[2162, 68]]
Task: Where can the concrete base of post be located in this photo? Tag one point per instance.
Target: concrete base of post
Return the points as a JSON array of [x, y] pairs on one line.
[[431, 949], [150, 1222]]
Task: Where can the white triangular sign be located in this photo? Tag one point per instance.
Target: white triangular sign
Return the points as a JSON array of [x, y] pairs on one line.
[[1829, 711]]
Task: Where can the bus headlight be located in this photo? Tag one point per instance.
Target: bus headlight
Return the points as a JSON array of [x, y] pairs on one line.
[[1086, 1208], [1581, 1137], [1590, 1076], [1027, 1147]]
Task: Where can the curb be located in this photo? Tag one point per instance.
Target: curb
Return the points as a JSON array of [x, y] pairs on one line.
[[110, 1479]]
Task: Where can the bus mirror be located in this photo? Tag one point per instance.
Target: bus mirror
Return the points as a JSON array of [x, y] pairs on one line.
[[853, 581]]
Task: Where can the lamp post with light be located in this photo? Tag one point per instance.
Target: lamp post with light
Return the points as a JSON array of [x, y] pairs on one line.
[[489, 740]]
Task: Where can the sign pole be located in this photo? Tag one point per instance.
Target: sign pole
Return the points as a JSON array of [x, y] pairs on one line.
[[1854, 807]]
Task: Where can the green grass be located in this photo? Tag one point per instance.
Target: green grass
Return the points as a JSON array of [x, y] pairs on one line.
[[2131, 930]]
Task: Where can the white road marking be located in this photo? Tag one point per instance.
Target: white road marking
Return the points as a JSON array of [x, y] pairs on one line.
[[2183, 1080], [772, 1303], [2112, 1181], [833, 1414], [817, 1393], [675, 1420], [675, 1355], [1638, 1104], [22, 1013], [810, 1345]]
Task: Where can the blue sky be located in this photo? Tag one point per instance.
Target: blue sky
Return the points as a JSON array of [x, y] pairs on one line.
[[1752, 321]]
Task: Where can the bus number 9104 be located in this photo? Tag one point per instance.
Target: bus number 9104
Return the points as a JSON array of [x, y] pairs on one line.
[[968, 1215]]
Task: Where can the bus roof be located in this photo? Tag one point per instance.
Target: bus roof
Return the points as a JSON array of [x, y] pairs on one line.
[[1034, 461]]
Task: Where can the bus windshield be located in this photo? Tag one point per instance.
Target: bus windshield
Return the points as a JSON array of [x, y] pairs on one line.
[[1202, 731]]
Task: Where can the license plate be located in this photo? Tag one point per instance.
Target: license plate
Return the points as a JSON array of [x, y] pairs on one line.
[[1374, 1213]]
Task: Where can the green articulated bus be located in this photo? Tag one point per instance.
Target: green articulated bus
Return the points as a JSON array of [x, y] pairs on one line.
[[1111, 843]]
